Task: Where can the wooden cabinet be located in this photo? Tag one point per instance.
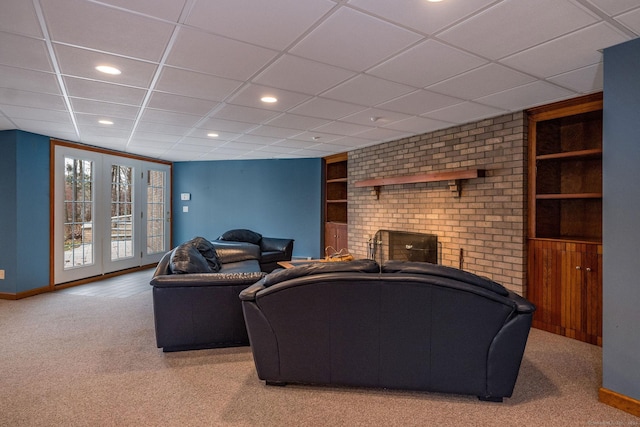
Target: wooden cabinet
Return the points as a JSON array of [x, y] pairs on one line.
[[565, 217], [335, 203], [566, 286]]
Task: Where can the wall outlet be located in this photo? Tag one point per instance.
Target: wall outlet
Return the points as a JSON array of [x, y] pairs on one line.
[[1, 274]]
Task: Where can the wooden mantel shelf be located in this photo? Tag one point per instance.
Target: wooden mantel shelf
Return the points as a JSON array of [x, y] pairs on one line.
[[453, 177]]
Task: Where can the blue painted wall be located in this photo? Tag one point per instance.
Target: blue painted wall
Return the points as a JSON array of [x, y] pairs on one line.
[[276, 198], [24, 211], [621, 228]]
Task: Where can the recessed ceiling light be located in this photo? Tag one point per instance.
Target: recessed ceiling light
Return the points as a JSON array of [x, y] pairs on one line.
[[108, 70], [212, 135], [105, 122], [269, 99]]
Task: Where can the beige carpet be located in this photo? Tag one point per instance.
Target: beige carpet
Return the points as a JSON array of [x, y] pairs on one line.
[[78, 360]]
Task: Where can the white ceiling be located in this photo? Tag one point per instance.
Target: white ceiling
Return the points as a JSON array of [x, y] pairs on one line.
[[347, 73]]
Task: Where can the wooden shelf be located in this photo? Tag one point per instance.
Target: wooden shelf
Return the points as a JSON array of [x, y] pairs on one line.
[[569, 196], [595, 152], [453, 177], [425, 177]]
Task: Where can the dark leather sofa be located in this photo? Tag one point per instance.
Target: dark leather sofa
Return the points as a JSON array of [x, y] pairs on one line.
[[197, 310], [405, 325], [272, 249]]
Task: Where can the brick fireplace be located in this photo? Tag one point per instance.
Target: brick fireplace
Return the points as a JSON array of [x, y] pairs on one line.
[[480, 223]]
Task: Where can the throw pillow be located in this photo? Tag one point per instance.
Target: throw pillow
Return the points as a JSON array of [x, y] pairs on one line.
[[186, 259], [208, 251], [242, 235]]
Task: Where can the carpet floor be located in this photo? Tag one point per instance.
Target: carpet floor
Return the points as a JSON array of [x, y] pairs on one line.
[[70, 358]]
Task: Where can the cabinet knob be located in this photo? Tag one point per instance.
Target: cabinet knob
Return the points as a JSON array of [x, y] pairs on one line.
[[577, 267], [588, 269]]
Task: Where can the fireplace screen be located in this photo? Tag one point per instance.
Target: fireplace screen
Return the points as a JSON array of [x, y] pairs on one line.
[[404, 246]]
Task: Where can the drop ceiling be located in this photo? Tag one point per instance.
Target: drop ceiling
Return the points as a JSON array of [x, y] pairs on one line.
[[346, 73]]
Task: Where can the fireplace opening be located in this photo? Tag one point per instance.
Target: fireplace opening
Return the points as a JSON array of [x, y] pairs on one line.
[[403, 246]]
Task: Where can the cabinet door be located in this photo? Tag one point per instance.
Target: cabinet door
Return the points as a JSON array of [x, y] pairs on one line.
[[566, 287], [336, 236]]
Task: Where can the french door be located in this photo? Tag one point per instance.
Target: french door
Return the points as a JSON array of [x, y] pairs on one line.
[[110, 213]]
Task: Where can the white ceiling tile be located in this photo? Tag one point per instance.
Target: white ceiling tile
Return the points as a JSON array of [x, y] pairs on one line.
[[575, 50], [302, 75], [49, 128], [418, 125], [427, 63], [275, 132], [244, 114], [584, 80], [614, 7], [294, 121], [82, 63], [375, 117], [155, 137], [205, 142], [481, 81], [356, 142], [109, 142], [355, 33], [181, 104], [223, 135], [514, 25], [21, 98], [367, 90], [29, 80], [250, 96], [102, 132], [106, 109], [315, 137], [342, 128], [460, 113], [24, 52], [326, 109], [419, 102], [421, 15], [100, 91], [31, 113], [5, 124], [220, 56], [275, 24], [78, 21], [226, 126], [20, 17], [532, 94], [167, 10], [93, 120], [381, 134], [169, 117], [256, 140], [163, 128], [195, 85], [631, 20]]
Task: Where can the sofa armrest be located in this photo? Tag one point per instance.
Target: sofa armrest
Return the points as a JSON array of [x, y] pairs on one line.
[[274, 244], [249, 294]]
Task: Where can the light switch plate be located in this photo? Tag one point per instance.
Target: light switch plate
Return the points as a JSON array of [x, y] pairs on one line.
[[185, 196]]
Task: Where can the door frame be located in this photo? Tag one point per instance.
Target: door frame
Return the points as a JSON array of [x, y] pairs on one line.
[[149, 260]]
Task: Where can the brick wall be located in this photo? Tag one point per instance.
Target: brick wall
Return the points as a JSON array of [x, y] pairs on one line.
[[488, 220]]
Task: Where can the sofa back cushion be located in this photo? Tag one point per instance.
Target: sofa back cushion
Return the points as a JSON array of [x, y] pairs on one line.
[[443, 271], [356, 266]]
